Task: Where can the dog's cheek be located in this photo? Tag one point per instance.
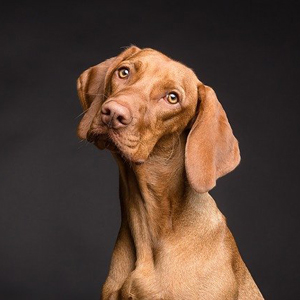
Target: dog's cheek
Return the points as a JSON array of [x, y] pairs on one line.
[[146, 145], [170, 126]]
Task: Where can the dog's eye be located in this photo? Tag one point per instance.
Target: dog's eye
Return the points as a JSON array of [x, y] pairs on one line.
[[123, 72], [172, 98]]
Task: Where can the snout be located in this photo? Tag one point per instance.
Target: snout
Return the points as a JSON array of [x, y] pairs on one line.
[[115, 115]]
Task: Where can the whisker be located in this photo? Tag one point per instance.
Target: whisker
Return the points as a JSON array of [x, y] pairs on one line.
[[83, 143], [81, 113], [96, 94]]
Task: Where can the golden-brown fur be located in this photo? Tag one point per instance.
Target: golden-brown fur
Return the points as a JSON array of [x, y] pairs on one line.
[[173, 242]]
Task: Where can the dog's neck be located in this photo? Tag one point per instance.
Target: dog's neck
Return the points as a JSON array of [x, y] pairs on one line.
[[152, 195]]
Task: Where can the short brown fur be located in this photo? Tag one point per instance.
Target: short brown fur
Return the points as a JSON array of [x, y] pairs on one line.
[[173, 242]]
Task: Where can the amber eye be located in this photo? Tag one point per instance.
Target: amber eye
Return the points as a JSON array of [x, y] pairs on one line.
[[123, 72], [172, 98]]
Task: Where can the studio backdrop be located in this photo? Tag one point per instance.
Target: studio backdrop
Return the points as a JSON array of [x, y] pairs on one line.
[[59, 203]]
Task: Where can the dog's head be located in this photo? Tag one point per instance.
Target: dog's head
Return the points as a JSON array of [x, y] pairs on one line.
[[138, 98]]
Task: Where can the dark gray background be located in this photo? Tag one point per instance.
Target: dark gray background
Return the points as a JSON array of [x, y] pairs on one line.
[[59, 212]]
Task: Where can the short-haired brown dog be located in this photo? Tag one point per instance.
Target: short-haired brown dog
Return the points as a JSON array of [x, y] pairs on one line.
[[172, 140]]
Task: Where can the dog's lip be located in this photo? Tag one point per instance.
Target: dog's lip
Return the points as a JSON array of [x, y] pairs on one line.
[[95, 137], [109, 140], [120, 145], [102, 141]]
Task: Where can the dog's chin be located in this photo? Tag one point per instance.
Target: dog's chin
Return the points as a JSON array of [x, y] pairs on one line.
[[105, 144], [104, 141]]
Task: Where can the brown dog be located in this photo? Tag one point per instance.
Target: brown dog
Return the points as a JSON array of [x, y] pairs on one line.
[[172, 140]]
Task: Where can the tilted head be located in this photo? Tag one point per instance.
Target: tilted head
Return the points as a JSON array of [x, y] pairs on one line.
[[134, 100]]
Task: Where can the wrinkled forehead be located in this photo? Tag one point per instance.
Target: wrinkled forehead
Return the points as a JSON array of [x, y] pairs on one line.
[[162, 67]]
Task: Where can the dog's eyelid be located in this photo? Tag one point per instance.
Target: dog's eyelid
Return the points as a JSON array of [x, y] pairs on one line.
[[131, 65], [123, 66], [127, 64]]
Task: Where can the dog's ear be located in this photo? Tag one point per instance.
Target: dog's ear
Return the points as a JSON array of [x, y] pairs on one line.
[[211, 149], [91, 88]]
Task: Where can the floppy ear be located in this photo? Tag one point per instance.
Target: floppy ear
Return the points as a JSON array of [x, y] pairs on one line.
[[211, 149], [91, 88]]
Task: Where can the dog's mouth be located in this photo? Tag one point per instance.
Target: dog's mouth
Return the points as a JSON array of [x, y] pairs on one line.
[[125, 147], [101, 140]]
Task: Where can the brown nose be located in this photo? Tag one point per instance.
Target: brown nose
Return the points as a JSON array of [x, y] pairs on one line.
[[115, 115]]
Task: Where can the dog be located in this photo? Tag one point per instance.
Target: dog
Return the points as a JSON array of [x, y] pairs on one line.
[[172, 140]]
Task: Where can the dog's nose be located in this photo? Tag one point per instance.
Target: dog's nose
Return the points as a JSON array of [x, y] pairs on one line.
[[115, 115]]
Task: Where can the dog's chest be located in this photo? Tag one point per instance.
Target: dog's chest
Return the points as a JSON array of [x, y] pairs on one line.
[[190, 284]]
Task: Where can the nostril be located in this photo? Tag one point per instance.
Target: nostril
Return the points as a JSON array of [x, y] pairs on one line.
[[121, 119], [105, 110]]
